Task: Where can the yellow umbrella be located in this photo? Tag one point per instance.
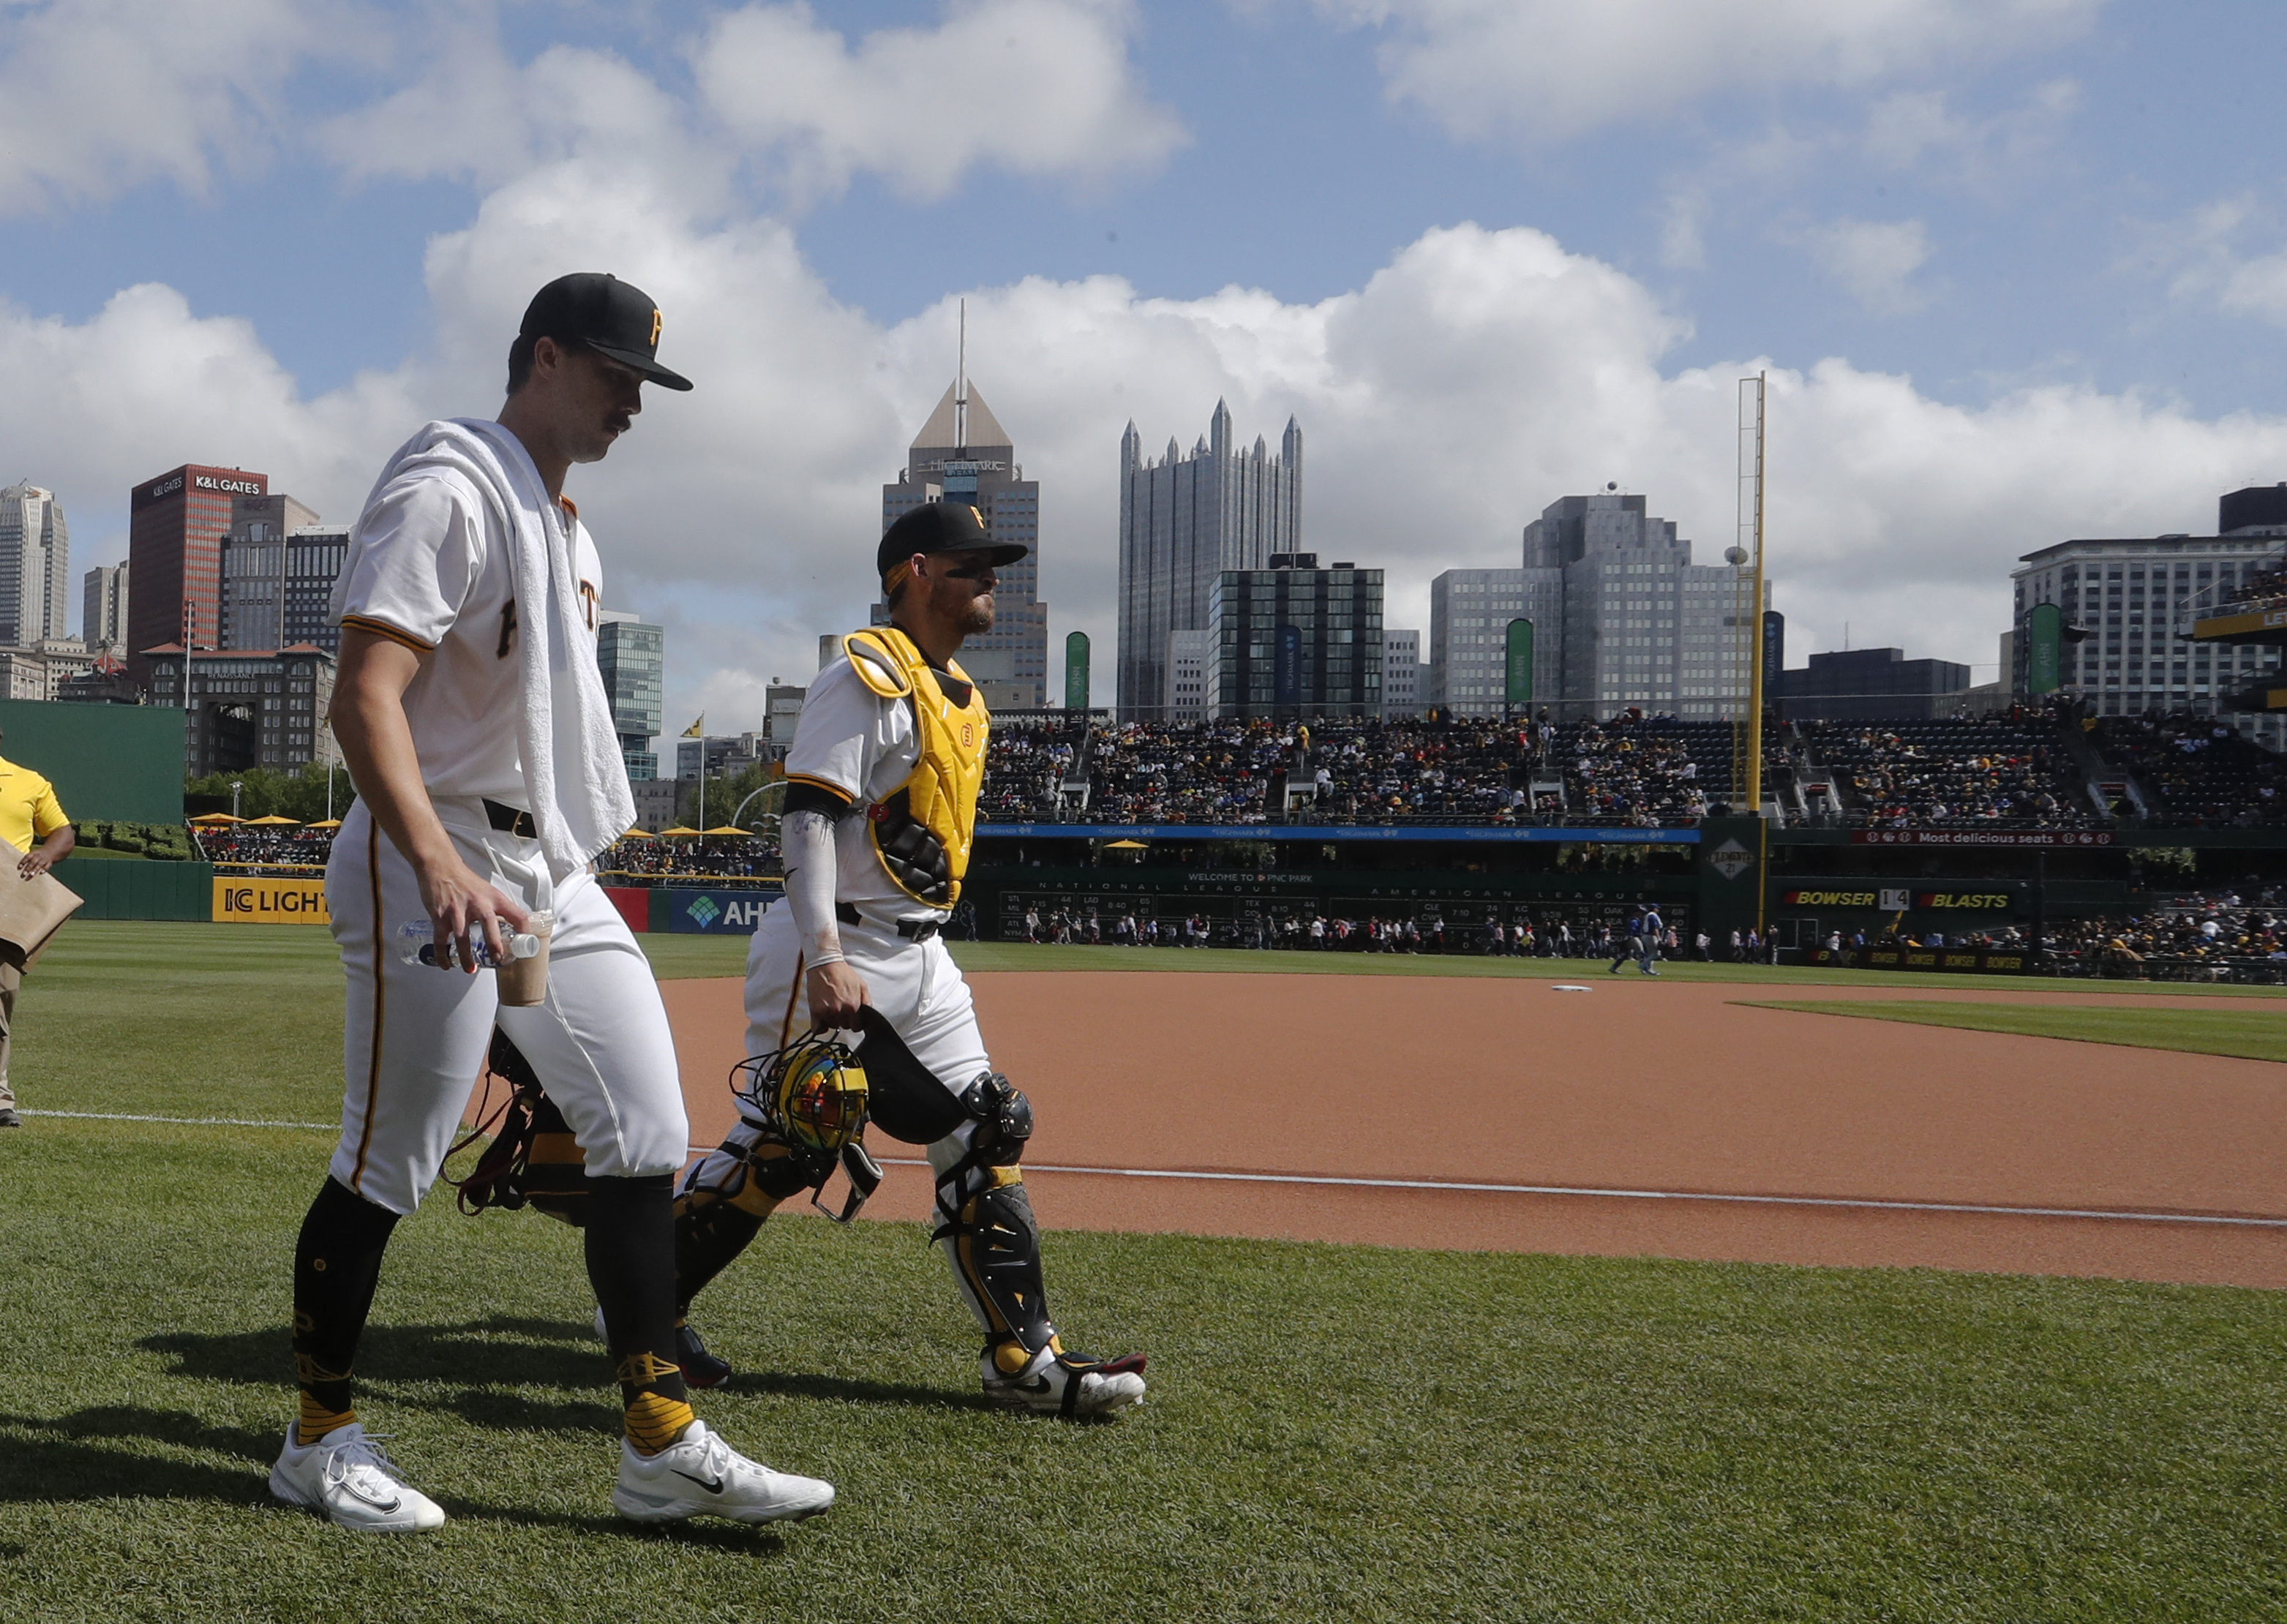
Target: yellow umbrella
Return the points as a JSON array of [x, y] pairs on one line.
[[1125, 846], [680, 829], [325, 823], [214, 820], [273, 821], [637, 834], [726, 828]]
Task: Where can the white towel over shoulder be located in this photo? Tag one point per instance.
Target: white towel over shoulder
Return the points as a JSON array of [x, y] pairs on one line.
[[575, 777]]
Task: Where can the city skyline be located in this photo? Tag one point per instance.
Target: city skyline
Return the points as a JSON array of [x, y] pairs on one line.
[[2015, 272]]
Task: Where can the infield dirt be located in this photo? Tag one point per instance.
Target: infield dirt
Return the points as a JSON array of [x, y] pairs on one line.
[[1637, 1085]]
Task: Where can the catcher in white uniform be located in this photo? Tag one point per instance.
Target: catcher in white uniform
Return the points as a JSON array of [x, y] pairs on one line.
[[473, 715], [880, 811]]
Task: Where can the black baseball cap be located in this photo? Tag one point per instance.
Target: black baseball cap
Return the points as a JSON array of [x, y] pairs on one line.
[[942, 526], [609, 316]]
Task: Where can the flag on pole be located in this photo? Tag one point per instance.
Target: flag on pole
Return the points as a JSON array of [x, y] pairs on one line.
[[692, 732]]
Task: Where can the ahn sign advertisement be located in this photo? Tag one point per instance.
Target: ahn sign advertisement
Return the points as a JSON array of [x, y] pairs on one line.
[[717, 912], [269, 902]]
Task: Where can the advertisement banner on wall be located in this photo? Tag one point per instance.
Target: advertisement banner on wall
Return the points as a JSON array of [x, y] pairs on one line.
[[717, 912], [1518, 692], [1076, 684], [2044, 644], [269, 902], [1286, 669]]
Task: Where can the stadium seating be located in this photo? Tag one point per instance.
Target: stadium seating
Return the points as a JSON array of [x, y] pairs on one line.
[[2200, 773], [1960, 773]]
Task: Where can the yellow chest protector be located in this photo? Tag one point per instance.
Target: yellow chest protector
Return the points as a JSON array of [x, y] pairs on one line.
[[922, 833]]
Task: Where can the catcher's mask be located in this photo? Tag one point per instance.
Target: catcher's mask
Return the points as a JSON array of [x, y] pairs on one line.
[[813, 1094]]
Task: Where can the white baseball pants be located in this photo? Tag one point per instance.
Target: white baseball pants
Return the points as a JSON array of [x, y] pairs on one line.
[[415, 1037]]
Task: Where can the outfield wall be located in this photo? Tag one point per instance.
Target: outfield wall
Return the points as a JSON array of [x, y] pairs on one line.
[[127, 887]]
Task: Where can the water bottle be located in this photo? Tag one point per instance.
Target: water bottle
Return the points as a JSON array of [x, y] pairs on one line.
[[417, 944]]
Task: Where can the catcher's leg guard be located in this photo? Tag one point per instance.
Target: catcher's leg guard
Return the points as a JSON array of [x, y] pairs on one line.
[[990, 1236], [724, 1199]]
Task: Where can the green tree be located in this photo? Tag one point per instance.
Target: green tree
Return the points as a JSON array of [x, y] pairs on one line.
[[723, 796], [266, 792]]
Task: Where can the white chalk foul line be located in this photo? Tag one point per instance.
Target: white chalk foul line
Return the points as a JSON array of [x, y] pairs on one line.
[[185, 1121], [1655, 1195], [1861, 1204]]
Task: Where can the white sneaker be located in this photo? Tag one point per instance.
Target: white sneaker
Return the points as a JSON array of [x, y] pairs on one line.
[[702, 1475], [345, 1478], [1067, 1384]]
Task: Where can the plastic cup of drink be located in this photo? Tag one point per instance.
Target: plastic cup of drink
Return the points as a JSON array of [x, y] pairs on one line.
[[523, 983]]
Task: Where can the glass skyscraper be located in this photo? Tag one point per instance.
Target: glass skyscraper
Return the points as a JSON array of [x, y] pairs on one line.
[[1184, 520]]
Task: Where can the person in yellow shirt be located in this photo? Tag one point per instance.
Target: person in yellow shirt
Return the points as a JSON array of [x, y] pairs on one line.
[[29, 813]]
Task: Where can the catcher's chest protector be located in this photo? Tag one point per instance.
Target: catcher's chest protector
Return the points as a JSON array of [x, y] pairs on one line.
[[922, 833]]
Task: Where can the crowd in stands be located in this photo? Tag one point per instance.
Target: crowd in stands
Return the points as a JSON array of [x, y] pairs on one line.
[[1632, 769], [1551, 938], [2201, 772], [2006, 769], [723, 859], [285, 851], [2216, 938]]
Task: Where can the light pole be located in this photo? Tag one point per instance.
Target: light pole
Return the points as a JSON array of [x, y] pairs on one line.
[[235, 786]]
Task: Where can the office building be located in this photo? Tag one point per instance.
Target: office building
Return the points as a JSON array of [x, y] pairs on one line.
[[103, 610], [963, 454], [2137, 598], [1185, 697], [1470, 612], [41, 671], [781, 711], [1401, 673], [1621, 619], [175, 528], [254, 571], [1859, 684], [34, 566], [632, 655], [1294, 640], [1184, 522], [247, 707]]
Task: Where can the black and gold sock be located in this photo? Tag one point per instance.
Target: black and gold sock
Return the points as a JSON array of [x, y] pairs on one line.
[[336, 1267], [630, 1235]]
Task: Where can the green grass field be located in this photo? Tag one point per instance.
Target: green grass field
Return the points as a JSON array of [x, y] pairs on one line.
[[1333, 1432], [2248, 1034]]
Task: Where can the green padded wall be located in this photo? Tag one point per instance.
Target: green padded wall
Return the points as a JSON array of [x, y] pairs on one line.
[[106, 761]]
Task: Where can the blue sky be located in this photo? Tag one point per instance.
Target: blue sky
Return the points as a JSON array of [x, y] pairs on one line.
[[2018, 266]]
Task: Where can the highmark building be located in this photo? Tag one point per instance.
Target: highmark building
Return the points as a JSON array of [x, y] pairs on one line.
[[2134, 601], [1620, 617], [963, 454]]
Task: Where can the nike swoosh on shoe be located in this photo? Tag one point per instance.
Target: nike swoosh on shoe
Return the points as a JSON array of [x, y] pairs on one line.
[[715, 1487]]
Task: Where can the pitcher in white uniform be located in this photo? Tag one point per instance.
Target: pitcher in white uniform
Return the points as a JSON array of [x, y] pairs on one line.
[[879, 812], [472, 715]]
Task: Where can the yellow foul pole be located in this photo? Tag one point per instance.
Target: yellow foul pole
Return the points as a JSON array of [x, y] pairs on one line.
[[1755, 672]]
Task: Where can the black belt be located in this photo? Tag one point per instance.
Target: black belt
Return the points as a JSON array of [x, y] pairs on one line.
[[509, 820], [911, 929]]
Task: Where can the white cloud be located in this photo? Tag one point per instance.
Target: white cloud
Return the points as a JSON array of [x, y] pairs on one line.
[[1034, 87], [1920, 131], [1549, 69], [96, 96], [1874, 260], [2207, 261], [1478, 377]]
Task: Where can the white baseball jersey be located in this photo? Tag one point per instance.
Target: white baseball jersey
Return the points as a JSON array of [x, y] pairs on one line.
[[434, 575]]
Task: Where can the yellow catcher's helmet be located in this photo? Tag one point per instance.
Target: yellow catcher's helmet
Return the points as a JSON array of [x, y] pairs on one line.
[[815, 1091]]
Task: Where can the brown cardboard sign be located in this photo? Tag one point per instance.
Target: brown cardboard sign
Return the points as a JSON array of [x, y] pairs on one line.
[[31, 911]]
